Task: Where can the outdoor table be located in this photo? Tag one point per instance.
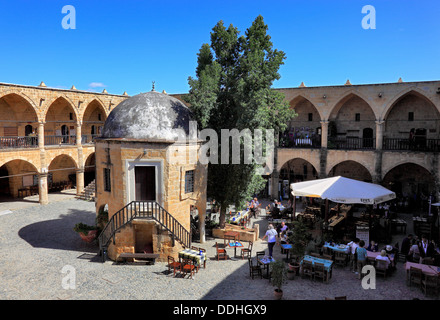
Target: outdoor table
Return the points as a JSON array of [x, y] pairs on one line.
[[235, 245], [265, 261], [194, 255], [337, 247], [426, 269], [285, 248], [234, 234], [328, 264]]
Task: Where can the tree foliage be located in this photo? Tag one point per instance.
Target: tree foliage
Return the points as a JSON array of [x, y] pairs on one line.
[[232, 90]]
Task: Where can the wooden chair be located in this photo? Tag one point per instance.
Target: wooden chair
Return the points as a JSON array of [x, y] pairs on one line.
[[221, 253], [415, 276], [319, 271], [307, 269], [247, 251], [260, 255], [254, 270], [381, 268], [188, 267], [173, 264], [341, 298], [314, 254], [327, 257], [194, 248], [228, 239], [431, 282], [340, 259]]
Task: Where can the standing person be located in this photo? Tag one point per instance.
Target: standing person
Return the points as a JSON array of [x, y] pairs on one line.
[[426, 248], [353, 245], [414, 253], [272, 236], [406, 244], [361, 255]]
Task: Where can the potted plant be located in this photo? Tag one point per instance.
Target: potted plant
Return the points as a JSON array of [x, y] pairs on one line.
[[299, 239], [86, 232], [279, 277]]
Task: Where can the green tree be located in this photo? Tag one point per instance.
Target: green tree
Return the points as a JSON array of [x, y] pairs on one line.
[[232, 90]]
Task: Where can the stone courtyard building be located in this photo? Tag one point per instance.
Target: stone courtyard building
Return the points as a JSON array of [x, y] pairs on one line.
[[387, 133], [149, 177]]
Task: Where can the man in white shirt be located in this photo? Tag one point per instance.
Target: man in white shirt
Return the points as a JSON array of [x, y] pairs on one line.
[[353, 245], [272, 236]]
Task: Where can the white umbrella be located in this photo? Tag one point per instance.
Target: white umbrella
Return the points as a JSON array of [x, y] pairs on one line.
[[343, 190]]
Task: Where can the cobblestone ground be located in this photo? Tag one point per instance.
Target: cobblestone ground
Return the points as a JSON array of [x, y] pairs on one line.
[[37, 242]]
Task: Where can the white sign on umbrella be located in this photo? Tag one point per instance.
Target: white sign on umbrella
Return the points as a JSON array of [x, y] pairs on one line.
[[343, 190]]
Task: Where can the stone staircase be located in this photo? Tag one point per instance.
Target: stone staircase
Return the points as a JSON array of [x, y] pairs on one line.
[[88, 193]]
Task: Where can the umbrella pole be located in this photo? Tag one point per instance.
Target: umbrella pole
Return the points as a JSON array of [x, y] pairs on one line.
[[326, 210], [294, 208]]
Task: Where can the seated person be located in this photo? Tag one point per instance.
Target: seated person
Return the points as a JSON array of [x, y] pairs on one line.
[[384, 257], [282, 228], [373, 247], [283, 238]]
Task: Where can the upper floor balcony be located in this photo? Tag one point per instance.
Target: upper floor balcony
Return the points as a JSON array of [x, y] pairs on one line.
[[33, 141]]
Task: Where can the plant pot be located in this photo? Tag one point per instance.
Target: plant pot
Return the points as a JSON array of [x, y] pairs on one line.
[[294, 268], [278, 293], [91, 235]]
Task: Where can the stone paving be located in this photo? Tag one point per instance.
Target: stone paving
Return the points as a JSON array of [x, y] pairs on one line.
[[37, 244]]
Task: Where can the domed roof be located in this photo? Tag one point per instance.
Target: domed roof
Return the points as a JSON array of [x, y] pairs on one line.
[[149, 116]]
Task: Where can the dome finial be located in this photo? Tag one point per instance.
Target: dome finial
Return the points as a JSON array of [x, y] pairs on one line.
[[153, 86]]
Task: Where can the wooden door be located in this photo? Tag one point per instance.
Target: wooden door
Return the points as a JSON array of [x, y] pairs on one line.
[[145, 182]]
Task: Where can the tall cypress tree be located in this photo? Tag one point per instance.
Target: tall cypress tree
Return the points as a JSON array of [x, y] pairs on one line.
[[232, 90]]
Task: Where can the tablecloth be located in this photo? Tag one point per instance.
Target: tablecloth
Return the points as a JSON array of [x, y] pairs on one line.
[[327, 263], [194, 255]]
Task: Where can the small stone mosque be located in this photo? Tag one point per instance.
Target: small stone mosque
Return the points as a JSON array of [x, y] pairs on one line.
[[149, 177]]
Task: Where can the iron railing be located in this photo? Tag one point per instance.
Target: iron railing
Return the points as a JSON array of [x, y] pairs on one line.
[[142, 210], [417, 144], [18, 142], [351, 143], [58, 140]]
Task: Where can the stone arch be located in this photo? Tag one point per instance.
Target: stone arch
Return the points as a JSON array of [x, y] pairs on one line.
[[93, 116], [61, 98], [17, 111], [302, 98], [351, 169], [362, 158], [411, 90], [62, 168], [298, 169], [351, 114], [22, 95], [411, 111], [16, 174], [411, 181]]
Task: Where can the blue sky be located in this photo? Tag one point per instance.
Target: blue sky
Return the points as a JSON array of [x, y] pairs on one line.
[[125, 45]]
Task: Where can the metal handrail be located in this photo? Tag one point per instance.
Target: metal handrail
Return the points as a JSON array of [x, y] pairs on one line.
[[142, 210]]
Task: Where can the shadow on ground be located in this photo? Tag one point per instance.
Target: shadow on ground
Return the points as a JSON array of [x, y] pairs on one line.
[[58, 233]]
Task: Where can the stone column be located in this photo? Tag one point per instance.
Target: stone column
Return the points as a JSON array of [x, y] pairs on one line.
[[42, 188], [79, 181], [324, 133], [41, 135], [379, 134], [78, 133], [275, 180]]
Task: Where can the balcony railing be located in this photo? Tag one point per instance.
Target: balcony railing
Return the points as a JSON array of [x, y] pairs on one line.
[[351, 143], [18, 142], [59, 140], [88, 138], [300, 143], [418, 144]]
